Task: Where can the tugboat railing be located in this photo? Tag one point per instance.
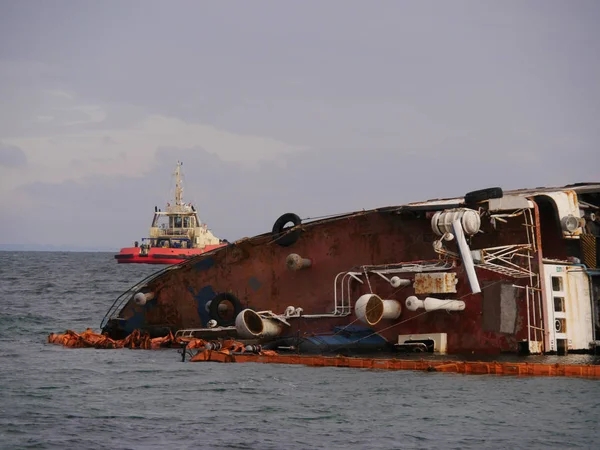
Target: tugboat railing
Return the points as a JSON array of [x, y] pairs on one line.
[[174, 231]]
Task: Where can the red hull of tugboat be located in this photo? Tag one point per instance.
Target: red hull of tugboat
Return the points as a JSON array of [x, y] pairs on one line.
[[132, 255]]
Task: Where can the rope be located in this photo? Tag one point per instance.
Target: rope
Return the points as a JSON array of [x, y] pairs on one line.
[[333, 215]]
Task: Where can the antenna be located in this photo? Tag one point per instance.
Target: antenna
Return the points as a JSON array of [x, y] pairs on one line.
[[178, 185]]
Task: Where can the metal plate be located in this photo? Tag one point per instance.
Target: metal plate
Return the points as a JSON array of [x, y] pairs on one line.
[[435, 283]]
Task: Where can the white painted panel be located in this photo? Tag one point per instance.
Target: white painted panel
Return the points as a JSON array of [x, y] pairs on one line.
[[578, 314], [578, 309]]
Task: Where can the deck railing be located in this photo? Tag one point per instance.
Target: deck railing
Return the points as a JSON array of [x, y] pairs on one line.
[[173, 231], [125, 296]]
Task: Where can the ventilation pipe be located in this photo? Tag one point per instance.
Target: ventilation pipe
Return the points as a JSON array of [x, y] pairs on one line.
[[371, 309], [467, 258], [297, 262], [434, 304], [251, 325]]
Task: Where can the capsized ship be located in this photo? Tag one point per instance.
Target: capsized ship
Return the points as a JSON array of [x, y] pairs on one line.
[[489, 272], [176, 234]]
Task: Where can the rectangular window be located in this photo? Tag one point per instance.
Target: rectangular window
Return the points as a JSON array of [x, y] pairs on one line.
[[559, 304], [557, 284]]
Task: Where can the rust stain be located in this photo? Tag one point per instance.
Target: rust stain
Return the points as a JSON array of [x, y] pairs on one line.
[[435, 283]]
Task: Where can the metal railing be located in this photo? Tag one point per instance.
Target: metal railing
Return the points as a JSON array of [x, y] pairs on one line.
[[125, 296], [173, 231]]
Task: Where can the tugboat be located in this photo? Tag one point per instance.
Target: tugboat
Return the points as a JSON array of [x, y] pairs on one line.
[[176, 234]]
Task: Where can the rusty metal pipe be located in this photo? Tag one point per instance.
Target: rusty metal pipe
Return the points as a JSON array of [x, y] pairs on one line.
[[297, 262], [141, 298], [250, 325]]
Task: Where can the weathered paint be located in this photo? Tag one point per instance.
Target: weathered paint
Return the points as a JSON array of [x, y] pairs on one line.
[[568, 302], [202, 297], [579, 312], [254, 283], [371, 238], [435, 283], [203, 264], [566, 205]]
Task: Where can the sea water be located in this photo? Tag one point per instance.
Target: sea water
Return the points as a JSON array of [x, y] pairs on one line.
[[60, 398]]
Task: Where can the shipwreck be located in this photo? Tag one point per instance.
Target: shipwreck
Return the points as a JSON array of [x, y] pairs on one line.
[[494, 271]]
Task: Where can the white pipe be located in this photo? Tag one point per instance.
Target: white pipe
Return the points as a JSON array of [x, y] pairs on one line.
[[371, 309], [347, 306], [467, 258], [394, 281], [434, 304], [335, 303], [397, 282], [249, 325], [335, 291]]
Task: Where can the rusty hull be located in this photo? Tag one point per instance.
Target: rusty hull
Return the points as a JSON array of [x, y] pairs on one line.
[[257, 272]]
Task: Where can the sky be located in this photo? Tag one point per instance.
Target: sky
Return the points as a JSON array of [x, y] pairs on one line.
[[313, 107]]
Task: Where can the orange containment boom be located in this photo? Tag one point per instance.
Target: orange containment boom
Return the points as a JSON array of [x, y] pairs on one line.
[[463, 367], [231, 351], [135, 340]]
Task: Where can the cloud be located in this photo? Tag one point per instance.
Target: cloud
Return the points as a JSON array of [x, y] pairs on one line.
[[12, 156], [59, 93], [282, 111], [237, 200], [92, 114], [129, 149]]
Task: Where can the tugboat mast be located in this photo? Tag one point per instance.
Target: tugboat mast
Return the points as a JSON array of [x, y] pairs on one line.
[[178, 185]]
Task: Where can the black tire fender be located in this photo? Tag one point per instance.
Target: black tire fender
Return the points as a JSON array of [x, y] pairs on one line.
[[214, 308], [286, 239], [483, 194]]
